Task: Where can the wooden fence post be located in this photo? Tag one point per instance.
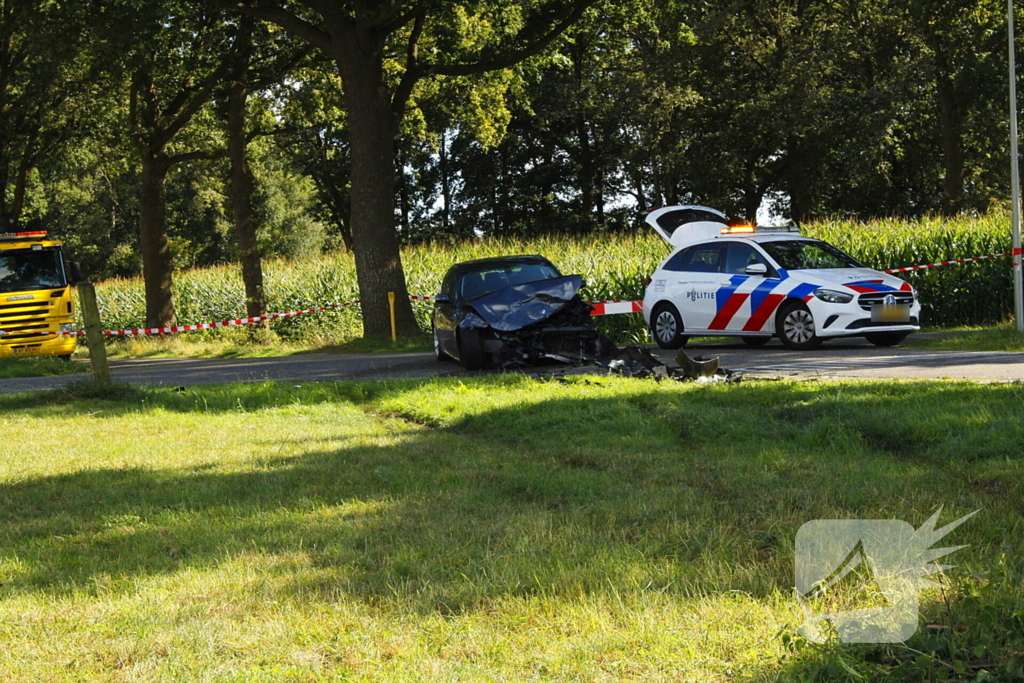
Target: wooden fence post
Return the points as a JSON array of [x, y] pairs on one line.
[[94, 332]]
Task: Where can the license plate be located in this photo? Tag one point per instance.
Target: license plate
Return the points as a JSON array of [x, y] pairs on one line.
[[896, 313], [31, 349]]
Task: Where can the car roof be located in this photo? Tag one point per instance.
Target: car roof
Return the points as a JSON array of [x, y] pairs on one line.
[[757, 237], [778, 237], [494, 261]]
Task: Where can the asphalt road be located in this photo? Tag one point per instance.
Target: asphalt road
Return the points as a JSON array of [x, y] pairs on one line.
[[854, 358]]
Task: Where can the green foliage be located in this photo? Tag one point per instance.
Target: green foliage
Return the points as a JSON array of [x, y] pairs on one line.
[[969, 294], [615, 266]]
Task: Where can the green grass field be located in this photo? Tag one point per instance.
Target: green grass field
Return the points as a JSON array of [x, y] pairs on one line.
[[491, 529]]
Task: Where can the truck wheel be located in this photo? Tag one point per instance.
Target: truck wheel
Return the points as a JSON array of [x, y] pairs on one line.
[[471, 349], [795, 326]]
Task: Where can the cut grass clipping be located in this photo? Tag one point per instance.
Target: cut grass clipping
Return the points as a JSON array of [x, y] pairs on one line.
[[491, 529]]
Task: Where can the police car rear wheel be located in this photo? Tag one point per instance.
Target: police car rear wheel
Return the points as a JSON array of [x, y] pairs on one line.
[[795, 326], [667, 327]]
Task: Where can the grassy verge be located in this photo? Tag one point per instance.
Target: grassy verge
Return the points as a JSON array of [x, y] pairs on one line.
[[232, 344], [37, 367], [493, 529], [1003, 337]]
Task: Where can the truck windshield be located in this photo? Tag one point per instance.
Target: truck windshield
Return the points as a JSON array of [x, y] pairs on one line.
[[808, 255], [24, 269]]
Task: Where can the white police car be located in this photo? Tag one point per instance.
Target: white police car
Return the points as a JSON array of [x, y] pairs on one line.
[[756, 283]]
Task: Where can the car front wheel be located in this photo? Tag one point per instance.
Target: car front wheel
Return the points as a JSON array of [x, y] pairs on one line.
[[795, 327], [471, 349], [667, 327]]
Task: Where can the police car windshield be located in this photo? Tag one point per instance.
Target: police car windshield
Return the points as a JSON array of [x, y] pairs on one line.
[[24, 269], [808, 255]]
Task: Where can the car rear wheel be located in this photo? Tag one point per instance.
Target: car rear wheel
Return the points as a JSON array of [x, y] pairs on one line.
[[471, 349], [886, 338], [795, 327], [667, 327], [756, 341]]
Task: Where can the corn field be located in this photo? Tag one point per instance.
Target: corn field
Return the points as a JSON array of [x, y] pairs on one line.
[[615, 267]]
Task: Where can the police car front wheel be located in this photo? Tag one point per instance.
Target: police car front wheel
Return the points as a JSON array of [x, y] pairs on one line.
[[795, 327], [667, 327]]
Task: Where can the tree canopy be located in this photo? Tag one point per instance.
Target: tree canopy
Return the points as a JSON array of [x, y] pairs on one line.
[[358, 125]]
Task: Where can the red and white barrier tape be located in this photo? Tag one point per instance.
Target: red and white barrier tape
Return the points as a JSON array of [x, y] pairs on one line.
[[603, 307], [953, 262], [616, 307]]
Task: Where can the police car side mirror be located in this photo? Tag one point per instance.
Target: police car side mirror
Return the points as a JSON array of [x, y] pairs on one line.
[[756, 269], [443, 299], [76, 272]]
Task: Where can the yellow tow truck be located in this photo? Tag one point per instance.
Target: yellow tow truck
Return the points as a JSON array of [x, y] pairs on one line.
[[36, 304]]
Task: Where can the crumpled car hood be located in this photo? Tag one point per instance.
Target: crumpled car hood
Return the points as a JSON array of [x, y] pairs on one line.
[[515, 307]]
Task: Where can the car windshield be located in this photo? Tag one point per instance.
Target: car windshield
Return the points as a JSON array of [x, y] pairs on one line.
[[484, 280], [808, 255], [24, 269]]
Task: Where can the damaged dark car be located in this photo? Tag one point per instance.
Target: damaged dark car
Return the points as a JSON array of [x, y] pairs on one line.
[[512, 311]]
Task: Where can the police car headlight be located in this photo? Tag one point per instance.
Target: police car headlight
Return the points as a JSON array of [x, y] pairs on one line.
[[67, 328], [833, 297]]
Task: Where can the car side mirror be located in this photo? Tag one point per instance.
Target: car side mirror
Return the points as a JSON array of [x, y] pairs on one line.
[[443, 299], [756, 269], [76, 272]]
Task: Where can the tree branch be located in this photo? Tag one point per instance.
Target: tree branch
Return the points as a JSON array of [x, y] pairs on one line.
[[199, 97], [286, 20], [196, 156], [276, 72], [282, 130], [413, 73], [390, 24], [579, 7]]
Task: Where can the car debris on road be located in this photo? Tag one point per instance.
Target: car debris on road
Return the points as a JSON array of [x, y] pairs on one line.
[[638, 361]]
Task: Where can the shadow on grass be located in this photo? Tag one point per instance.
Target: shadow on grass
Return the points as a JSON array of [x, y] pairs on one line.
[[689, 493]]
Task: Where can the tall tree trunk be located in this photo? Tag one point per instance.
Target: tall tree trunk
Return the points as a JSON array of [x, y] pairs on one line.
[[21, 181], [403, 193], [156, 251], [241, 191], [951, 131], [242, 179], [586, 172], [5, 175], [374, 239], [446, 183]]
